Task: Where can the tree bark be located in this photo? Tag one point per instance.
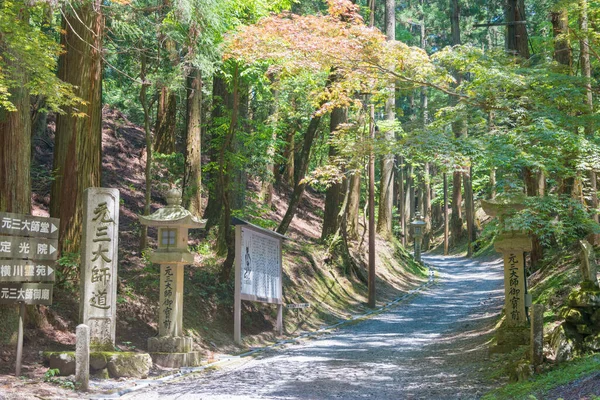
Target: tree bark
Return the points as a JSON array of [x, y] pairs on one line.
[[402, 202], [469, 211], [517, 41], [78, 144], [300, 173], [15, 164], [354, 205], [386, 191], [193, 167], [301, 169], [446, 222], [563, 52], [148, 168], [333, 194], [222, 104], [586, 72], [426, 206]]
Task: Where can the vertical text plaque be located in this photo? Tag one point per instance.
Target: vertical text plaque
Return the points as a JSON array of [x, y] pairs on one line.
[[99, 252]]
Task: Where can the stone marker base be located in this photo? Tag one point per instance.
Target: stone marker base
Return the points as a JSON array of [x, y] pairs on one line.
[[509, 339], [173, 351], [177, 360], [170, 344], [103, 363]]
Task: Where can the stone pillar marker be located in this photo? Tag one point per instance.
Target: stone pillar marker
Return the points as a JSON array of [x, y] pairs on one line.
[[418, 224], [589, 270], [171, 348], [537, 334], [512, 244], [82, 357], [99, 253]]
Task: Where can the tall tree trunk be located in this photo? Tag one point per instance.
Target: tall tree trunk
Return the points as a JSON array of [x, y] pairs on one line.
[[586, 72], [266, 187], [386, 191], [354, 205], [427, 206], [402, 202], [563, 53], [15, 163], [226, 234], [459, 129], [290, 159], [300, 172], [166, 122], [222, 105], [148, 168], [469, 211], [78, 144], [193, 167], [446, 222], [517, 40], [333, 194], [301, 169]]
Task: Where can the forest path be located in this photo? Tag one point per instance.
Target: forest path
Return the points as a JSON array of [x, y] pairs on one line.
[[432, 347]]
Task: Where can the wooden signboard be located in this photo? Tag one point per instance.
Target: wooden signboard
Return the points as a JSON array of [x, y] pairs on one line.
[[28, 225], [26, 293], [26, 237], [26, 271], [258, 271], [28, 248]]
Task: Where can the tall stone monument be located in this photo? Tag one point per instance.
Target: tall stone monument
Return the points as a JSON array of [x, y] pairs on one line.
[[99, 252], [418, 225], [512, 243], [171, 348]]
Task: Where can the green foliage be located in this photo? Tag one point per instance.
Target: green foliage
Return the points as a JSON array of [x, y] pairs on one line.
[[540, 385], [556, 220], [67, 271], [28, 55], [168, 169], [52, 376]]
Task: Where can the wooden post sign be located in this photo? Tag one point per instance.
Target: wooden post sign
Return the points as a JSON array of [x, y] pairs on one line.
[[28, 251], [258, 271]]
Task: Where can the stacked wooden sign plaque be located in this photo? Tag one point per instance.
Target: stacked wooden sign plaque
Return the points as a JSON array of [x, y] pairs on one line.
[[28, 251]]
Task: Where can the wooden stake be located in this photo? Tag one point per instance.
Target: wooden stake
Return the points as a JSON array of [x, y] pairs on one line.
[[372, 209], [20, 338]]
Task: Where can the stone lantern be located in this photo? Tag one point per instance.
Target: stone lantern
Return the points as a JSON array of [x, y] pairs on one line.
[[512, 243], [418, 225], [171, 348]]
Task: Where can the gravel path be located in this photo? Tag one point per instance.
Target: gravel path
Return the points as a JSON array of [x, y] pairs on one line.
[[432, 347]]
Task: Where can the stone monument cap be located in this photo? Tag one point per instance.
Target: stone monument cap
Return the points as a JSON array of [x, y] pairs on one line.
[[173, 215]]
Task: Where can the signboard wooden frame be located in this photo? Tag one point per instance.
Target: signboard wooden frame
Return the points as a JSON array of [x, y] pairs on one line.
[[240, 228]]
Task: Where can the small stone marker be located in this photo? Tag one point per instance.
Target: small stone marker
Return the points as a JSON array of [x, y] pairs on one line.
[[537, 334], [99, 252], [588, 268], [82, 357]]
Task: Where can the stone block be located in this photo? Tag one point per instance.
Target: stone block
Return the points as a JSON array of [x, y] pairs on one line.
[[177, 360], [564, 342], [63, 361], [129, 365], [584, 329], [513, 336], [170, 344], [592, 342], [537, 335], [98, 361], [584, 299], [573, 315]]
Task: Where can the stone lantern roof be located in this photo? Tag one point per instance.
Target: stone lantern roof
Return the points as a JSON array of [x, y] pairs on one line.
[[173, 215]]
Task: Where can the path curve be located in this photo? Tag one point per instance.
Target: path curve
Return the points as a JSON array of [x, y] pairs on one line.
[[433, 347]]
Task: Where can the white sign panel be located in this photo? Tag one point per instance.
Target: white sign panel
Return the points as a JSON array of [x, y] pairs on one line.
[[260, 267]]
